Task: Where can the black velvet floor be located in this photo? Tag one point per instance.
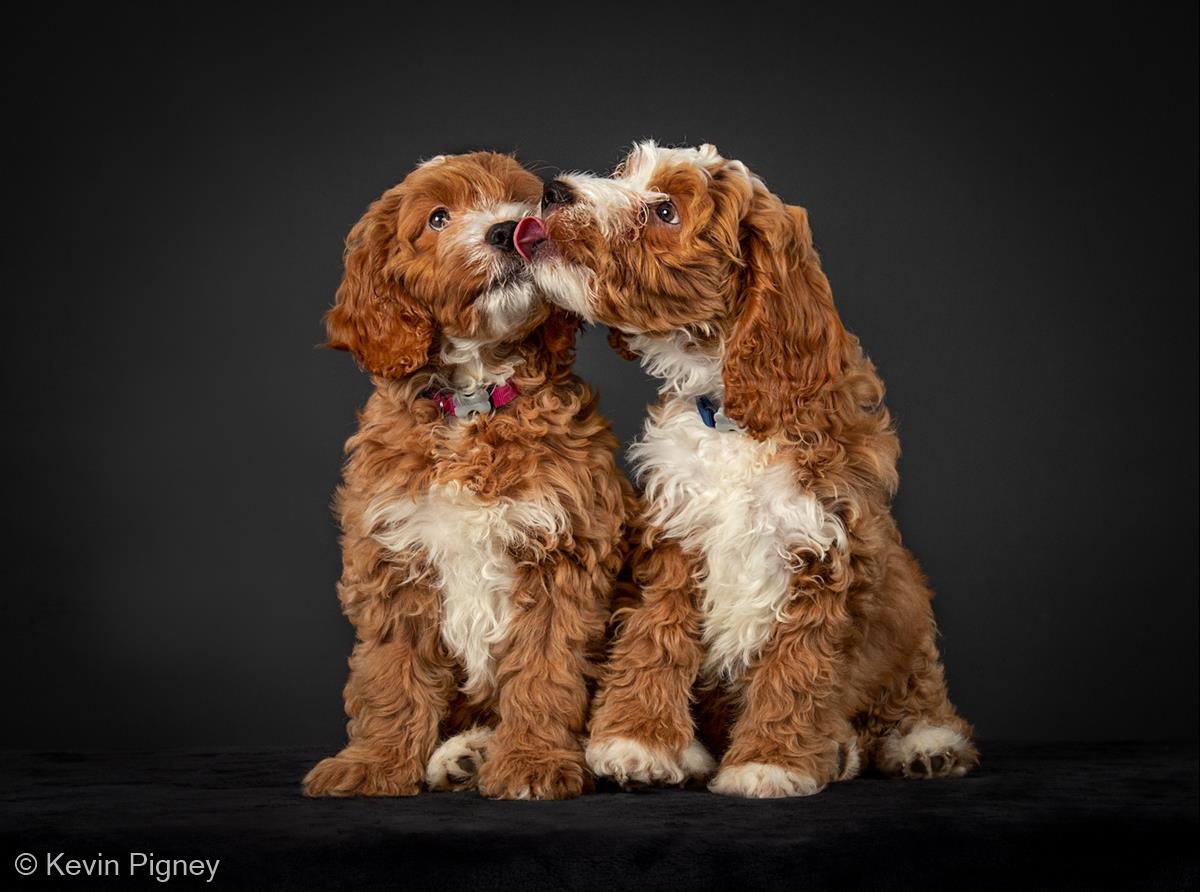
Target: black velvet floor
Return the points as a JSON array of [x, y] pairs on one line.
[[1035, 816]]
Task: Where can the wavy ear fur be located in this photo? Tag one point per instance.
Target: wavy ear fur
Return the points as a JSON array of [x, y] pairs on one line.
[[387, 330], [618, 341], [787, 340], [557, 334]]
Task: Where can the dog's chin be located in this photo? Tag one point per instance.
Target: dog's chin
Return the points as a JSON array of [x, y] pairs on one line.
[[564, 283], [509, 308]]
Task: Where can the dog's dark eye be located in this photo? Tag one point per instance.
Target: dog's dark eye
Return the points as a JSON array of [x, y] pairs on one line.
[[439, 219], [665, 211]]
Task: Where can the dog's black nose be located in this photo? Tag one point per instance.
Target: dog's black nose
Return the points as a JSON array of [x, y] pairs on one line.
[[556, 193], [501, 235]]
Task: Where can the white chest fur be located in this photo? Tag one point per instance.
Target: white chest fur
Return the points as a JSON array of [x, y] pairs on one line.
[[729, 498], [463, 544]]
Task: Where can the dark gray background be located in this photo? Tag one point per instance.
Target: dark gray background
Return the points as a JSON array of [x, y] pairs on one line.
[[1005, 203]]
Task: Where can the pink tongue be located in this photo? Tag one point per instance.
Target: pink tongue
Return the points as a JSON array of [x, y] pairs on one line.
[[528, 235]]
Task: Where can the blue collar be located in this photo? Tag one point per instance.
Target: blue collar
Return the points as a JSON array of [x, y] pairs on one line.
[[714, 416]]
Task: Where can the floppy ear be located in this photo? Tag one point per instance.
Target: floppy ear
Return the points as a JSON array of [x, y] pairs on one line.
[[787, 341], [386, 329], [617, 340], [558, 335]]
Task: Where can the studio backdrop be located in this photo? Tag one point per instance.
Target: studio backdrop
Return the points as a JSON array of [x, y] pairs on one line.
[[1004, 202]]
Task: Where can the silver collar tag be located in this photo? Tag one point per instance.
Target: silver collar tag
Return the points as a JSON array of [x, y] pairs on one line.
[[723, 422], [468, 404]]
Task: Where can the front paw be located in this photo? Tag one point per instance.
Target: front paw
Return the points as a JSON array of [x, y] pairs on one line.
[[631, 763], [759, 780], [455, 764], [518, 774], [356, 774]]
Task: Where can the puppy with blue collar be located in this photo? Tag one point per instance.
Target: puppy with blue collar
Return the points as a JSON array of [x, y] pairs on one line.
[[783, 637]]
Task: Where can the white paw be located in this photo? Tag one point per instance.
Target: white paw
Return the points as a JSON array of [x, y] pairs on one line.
[[455, 764], [756, 780], [696, 761], [927, 751], [627, 761]]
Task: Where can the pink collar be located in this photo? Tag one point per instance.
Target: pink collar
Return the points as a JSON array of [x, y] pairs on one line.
[[463, 405]]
